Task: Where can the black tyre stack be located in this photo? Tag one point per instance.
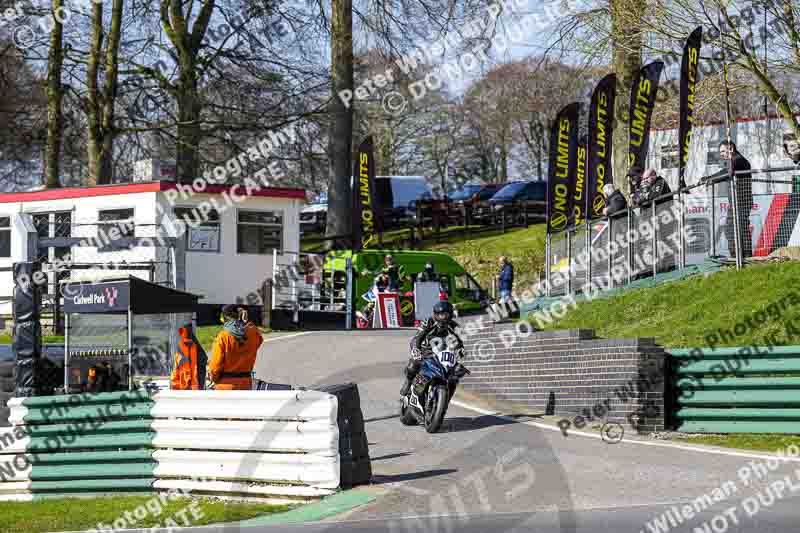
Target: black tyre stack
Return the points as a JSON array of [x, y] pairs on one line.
[[7, 386], [27, 344], [356, 468]]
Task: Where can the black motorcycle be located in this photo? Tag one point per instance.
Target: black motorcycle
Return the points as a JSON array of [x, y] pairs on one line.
[[441, 374]]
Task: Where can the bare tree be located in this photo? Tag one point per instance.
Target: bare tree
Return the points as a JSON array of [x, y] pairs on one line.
[[101, 102], [55, 96]]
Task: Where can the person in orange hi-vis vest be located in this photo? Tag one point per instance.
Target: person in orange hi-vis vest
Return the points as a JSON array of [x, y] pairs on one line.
[[190, 361], [234, 354]]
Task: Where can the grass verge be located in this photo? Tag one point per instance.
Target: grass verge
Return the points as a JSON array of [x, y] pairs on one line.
[[764, 442], [80, 514], [690, 312]]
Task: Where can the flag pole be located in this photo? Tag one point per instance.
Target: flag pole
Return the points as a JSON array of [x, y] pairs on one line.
[[728, 117]]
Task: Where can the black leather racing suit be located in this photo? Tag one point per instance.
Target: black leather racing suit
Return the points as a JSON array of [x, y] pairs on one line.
[[421, 346]]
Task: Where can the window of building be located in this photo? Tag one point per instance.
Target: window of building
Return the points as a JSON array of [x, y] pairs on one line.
[[5, 237], [259, 232], [202, 232], [113, 225], [50, 225]]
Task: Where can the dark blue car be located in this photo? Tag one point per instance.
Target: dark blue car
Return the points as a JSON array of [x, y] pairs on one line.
[[525, 198]]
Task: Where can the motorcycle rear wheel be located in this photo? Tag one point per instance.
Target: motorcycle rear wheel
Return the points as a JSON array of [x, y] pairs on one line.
[[435, 417]]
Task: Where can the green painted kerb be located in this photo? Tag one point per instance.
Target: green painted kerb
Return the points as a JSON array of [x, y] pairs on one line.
[[336, 504]]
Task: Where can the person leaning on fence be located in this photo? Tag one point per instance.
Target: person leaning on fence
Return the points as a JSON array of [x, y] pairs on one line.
[[792, 148], [235, 349], [652, 188], [635, 176], [615, 201], [744, 198]]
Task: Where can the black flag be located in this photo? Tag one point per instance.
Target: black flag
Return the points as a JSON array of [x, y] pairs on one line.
[[601, 126], [643, 100], [365, 215], [562, 168], [691, 56]]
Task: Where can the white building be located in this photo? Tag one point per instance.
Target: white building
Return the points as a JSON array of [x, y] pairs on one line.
[[229, 253]]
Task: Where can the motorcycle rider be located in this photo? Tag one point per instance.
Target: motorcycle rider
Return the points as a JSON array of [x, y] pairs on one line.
[[440, 328]]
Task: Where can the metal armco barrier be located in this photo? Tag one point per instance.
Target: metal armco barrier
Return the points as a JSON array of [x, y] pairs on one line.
[[275, 445], [736, 390]]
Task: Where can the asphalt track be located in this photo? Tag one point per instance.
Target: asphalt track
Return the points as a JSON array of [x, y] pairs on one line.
[[488, 474], [484, 473]]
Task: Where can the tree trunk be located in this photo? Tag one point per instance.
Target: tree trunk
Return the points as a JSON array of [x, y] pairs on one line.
[[187, 43], [341, 131], [55, 94], [189, 131], [627, 60], [100, 103]]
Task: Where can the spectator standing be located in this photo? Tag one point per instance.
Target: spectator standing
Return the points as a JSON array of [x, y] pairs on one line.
[[615, 201], [792, 148], [744, 198], [505, 280]]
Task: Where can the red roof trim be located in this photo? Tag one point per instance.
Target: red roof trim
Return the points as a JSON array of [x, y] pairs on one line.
[[133, 188]]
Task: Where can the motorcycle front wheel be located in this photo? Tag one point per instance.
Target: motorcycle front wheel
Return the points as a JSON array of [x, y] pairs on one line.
[[407, 417], [435, 415]]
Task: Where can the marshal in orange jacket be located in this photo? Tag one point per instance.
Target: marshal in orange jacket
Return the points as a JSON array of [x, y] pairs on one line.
[[190, 362], [232, 361]]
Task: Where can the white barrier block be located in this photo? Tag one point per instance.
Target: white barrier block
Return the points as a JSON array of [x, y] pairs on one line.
[[245, 405], [223, 439], [16, 411], [313, 470]]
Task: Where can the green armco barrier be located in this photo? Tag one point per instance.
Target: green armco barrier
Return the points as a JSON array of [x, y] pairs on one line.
[[101, 427], [88, 399], [109, 458], [111, 410], [736, 390], [93, 486], [81, 444], [94, 471]]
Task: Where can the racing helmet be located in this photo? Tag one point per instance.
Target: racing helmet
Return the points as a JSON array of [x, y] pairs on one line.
[[442, 312]]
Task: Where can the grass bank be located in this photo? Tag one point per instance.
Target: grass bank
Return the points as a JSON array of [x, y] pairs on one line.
[[690, 312], [81, 514]]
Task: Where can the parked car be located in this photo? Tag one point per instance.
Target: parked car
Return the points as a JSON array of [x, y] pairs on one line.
[[400, 195], [474, 196], [313, 216], [521, 198]]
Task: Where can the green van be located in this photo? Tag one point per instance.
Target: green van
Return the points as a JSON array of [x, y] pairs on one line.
[[464, 292]]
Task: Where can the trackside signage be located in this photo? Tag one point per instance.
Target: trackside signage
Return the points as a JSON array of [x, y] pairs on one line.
[[99, 298]]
